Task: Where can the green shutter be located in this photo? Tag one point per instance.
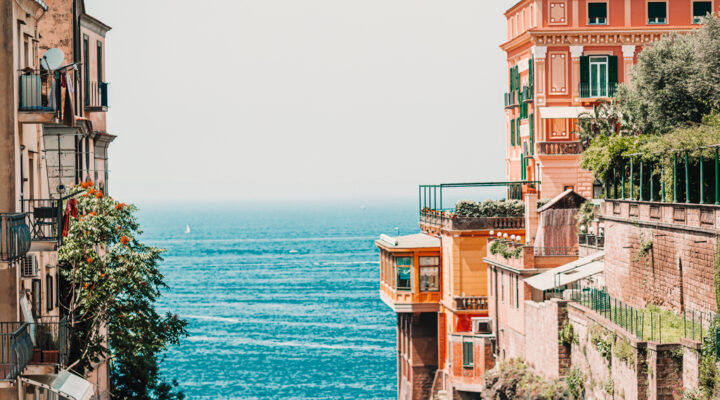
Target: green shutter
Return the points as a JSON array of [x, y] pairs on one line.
[[517, 77], [532, 134], [522, 167], [585, 70], [517, 131], [612, 71], [512, 79], [530, 69], [512, 132]]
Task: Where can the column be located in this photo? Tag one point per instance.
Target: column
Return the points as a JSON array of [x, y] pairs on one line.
[[539, 53], [575, 53], [628, 60]]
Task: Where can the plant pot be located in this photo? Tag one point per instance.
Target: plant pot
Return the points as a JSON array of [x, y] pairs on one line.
[[50, 356], [36, 357]]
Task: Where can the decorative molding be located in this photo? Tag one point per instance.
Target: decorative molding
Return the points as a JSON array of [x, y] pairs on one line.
[[629, 51], [576, 51], [539, 52], [600, 38]]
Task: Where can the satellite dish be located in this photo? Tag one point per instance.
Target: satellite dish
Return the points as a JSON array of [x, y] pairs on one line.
[[52, 59]]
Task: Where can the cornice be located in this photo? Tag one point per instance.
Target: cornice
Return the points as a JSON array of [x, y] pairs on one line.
[[94, 24]]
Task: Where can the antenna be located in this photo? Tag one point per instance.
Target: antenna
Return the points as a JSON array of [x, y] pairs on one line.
[[52, 59]]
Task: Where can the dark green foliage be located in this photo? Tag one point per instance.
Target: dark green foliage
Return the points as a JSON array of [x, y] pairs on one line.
[[490, 208]]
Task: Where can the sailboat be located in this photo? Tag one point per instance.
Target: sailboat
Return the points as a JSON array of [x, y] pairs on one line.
[[187, 228]]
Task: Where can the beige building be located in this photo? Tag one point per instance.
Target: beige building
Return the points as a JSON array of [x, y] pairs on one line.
[[53, 134]]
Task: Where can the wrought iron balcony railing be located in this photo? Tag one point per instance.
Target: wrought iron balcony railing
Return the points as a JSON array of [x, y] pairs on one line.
[[16, 349], [45, 218], [559, 148], [511, 99], [527, 94], [51, 342], [96, 95], [589, 91], [587, 239], [474, 303], [14, 237], [39, 92]]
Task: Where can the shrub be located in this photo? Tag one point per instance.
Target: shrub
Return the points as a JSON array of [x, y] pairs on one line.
[[490, 208]]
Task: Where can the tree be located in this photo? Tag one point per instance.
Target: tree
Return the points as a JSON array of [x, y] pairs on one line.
[[110, 285]]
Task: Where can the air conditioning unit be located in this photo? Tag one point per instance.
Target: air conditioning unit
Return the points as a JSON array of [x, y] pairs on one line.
[[482, 325], [29, 265]]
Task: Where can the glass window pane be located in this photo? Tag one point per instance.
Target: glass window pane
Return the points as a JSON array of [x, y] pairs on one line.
[[701, 9], [429, 261], [657, 12], [404, 261], [403, 278], [603, 79], [593, 80], [429, 279], [597, 13]]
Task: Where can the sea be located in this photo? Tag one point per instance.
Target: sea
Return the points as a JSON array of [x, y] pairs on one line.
[[281, 299]]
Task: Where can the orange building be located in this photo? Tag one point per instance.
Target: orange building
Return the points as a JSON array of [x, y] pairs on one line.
[[565, 55]]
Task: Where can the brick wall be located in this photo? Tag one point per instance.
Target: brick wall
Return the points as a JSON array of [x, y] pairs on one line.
[[691, 363], [470, 379], [678, 273], [665, 372], [547, 357]]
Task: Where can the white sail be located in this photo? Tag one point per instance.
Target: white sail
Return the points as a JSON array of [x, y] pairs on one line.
[[187, 228]]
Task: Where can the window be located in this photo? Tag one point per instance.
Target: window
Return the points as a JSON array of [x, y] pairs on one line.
[[597, 13], [700, 10], [50, 298], [467, 355], [598, 76], [36, 297], [657, 12], [566, 187], [404, 266], [429, 274], [512, 132], [99, 62], [86, 68]]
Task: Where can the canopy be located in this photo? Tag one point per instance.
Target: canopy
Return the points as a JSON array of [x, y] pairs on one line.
[[569, 273], [64, 384], [562, 112]]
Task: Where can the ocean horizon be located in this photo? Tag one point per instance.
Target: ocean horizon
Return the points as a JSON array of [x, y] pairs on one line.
[[281, 300]]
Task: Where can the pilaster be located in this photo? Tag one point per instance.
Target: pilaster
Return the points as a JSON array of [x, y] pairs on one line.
[[540, 54], [575, 53]]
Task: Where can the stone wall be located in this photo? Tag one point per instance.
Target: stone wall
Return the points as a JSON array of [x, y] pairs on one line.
[[691, 363], [678, 272], [547, 357]]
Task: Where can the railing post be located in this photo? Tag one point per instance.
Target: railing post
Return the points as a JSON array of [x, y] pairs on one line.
[[642, 176], [674, 183], [687, 179], [662, 182], [652, 182], [614, 182], [702, 179], [717, 178], [622, 181], [632, 179]]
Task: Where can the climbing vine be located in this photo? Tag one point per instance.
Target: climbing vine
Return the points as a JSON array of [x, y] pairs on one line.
[[566, 335]]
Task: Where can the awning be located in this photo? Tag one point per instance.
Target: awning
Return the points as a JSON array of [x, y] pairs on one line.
[[569, 273], [65, 384], [562, 112]]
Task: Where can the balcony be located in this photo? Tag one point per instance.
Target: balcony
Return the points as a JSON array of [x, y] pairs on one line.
[[559, 148], [39, 97], [474, 303], [588, 91], [527, 94], [14, 237], [96, 96], [51, 341], [590, 240], [45, 218], [448, 221], [531, 257], [16, 349], [511, 99]]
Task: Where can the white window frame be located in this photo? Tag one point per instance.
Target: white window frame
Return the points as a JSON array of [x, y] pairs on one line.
[[597, 90]]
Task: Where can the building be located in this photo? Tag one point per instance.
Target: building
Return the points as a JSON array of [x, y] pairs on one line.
[[53, 135], [564, 56]]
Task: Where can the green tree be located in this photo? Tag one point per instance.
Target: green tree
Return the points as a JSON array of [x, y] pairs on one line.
[[111, 283]]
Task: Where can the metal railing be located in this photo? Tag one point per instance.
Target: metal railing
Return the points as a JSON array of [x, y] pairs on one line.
[[527, 93], [430, 197], [96, 95], [511, 99], [555, 251], [473, 303], [14, 237], [16, 349], [559, 148], [587, 239], [52, 343], [45, 218], [589, 91], [39, 91], [678, 176]]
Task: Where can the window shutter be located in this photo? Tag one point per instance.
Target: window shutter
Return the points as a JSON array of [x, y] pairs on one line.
[[532, 134], [584, 70], [512, 132], [522, 178], [530, 69], [613, 71], [517, 131], [517, 77], [512, 79]]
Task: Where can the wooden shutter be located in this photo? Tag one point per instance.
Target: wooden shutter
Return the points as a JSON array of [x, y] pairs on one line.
[[532, 134], [512, 132], [530, 69], [512, 79], [585, 70], [612, 71]]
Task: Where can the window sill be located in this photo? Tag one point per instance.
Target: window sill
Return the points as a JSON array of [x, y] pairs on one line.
[[467, 366]]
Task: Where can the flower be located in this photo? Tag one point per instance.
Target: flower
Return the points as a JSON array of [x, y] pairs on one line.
[[102, 276], [93, 213], [89, 260], [99, 194], [120, 206], [91, 191], [86, 285], [124, 240]]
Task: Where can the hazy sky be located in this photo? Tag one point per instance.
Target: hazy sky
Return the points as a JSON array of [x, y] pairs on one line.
[[301, 99]]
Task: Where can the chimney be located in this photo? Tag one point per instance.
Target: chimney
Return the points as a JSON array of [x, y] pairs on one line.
[[531, 217]]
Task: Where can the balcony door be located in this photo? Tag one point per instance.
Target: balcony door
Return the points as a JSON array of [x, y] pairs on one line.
[[599, 76]]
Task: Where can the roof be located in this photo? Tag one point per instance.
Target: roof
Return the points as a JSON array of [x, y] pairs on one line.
[[416, 241], [566, 199], [568, 273]]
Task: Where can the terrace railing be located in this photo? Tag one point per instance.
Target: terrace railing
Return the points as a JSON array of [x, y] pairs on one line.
[[51, 345], [586, 239], [39, 91], [555, 251], [473, 303], [588, 91], [559, 148], [14, 237], [96, 95], [678, 176], [16, 349], [45, 218]]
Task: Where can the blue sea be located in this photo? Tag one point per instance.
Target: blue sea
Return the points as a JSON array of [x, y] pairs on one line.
[[282, 300]]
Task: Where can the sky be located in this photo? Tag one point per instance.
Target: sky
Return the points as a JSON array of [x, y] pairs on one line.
[[285, 100]]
